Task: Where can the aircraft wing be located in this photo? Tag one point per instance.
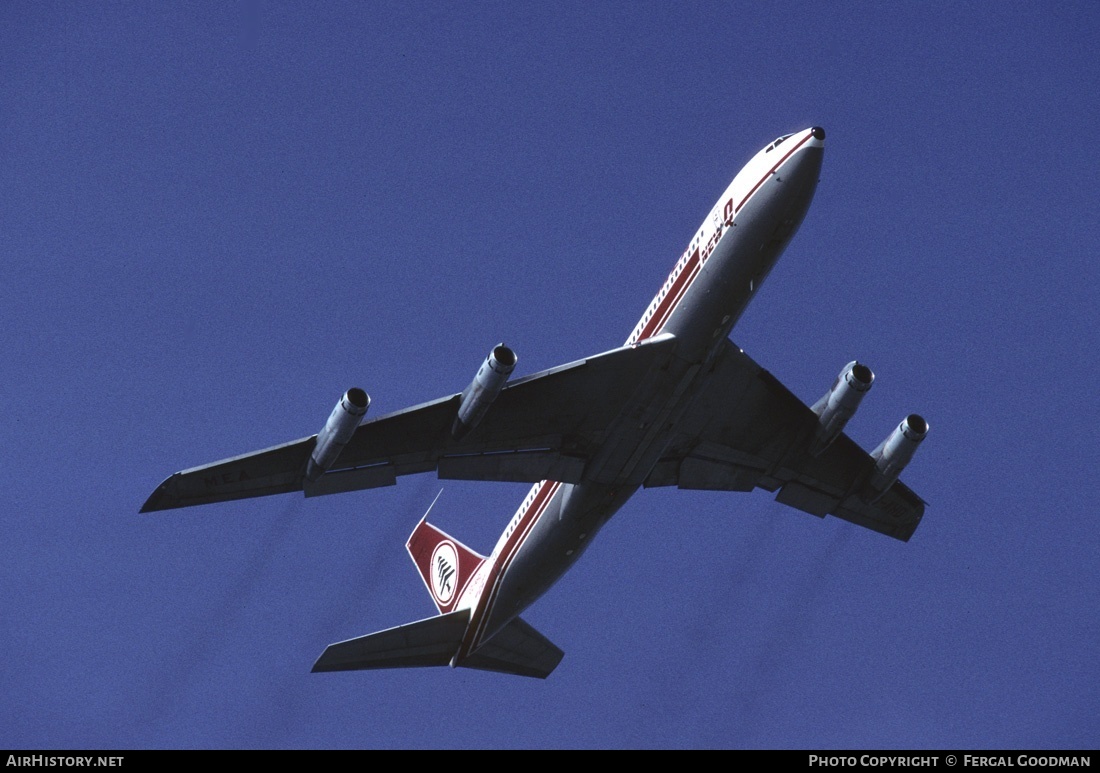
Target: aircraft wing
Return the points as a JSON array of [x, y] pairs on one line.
[[747, 430], [543, 426]]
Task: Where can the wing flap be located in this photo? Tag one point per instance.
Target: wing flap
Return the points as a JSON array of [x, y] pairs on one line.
[[806, 499], [343, 481], [897, 513]]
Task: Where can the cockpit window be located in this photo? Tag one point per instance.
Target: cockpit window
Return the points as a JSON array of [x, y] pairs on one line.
[[777, 143]]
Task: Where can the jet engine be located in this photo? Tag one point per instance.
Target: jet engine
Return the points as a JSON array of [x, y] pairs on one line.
[[483, 390], [839, 404], [894, 453], [339, 428]]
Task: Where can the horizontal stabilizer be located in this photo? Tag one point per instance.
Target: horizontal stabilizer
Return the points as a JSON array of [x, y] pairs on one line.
[[430, 642], [517, 649]]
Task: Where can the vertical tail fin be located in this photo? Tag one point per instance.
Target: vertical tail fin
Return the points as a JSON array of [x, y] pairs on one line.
[[445, 564]]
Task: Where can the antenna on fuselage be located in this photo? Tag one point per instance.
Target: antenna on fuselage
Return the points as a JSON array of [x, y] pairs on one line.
[[437, 496]]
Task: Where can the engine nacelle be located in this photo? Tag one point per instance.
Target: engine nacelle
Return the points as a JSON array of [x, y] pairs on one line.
[[894, 453], [839, 404], [339, 428], [483, 390]]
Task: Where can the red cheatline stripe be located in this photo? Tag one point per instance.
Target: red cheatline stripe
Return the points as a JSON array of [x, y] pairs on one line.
[[680, 294], [769, 174], [523, 529], [672, 300], [675, 293], [530, 517], [549, 488]]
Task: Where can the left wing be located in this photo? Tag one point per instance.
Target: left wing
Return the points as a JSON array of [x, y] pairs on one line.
[[543, 426], [747, 430]]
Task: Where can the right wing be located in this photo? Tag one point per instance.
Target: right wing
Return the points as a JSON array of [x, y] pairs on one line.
[[543, 426], [747, 430]]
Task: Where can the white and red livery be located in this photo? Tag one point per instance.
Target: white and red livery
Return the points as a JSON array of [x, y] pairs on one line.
[[677, 405]]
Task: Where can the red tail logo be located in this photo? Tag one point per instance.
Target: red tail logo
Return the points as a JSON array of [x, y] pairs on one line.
[[445, 564]]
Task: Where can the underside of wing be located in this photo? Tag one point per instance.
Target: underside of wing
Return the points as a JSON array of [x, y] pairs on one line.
[[746, 430], [275, 470], [543, 426]]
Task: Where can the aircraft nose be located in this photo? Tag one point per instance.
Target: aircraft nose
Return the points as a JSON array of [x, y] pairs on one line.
[[807, 161]]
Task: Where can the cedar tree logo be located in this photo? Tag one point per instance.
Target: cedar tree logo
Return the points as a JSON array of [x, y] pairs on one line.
[[444, 572]]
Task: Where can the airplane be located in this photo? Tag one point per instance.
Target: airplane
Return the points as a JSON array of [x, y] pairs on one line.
[[679, 404]]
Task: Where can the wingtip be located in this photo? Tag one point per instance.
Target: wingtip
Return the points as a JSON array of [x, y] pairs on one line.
[[151, 503], [158, 500], [326, 666]]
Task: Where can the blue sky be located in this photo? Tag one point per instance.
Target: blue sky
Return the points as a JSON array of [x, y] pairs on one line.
[[214, 218]]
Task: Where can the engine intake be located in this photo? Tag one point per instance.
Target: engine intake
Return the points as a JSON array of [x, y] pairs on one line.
[[341, 425], [483, 390], [894, 453], [839, 404]]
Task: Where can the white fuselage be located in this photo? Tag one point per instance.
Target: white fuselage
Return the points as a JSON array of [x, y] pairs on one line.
[[711, 284]]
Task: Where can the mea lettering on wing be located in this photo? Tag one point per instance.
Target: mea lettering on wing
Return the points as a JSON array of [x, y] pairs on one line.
[[225, 479], [893, 509]]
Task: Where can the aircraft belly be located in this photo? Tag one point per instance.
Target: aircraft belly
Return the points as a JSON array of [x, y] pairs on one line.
[[556, 541], [700, 322], [742, 259], [745, 249], [730, 275], [638, 436]]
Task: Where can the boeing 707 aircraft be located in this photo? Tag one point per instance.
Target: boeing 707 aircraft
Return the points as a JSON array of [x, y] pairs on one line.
[[678, 404]]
